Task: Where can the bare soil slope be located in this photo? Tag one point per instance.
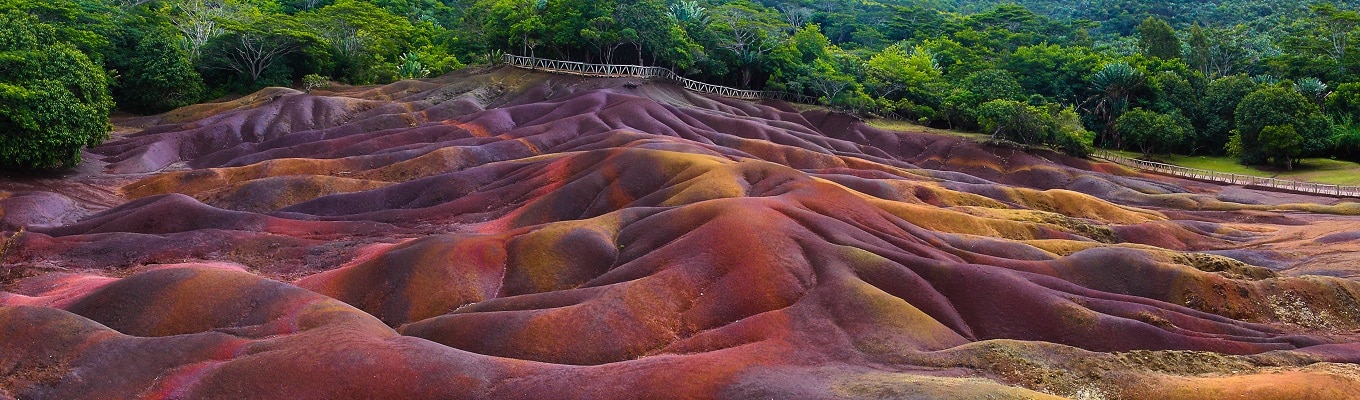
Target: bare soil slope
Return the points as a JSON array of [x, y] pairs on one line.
[[510, 234]]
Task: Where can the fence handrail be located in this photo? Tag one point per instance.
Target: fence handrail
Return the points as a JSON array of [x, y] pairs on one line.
[[1231, 178], [638, 71]]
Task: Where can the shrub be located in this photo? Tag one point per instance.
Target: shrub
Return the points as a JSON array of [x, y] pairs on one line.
[[314, 81], [53, 99], [1281, 143], [1149, 130], [158, 76], [1275, 105]]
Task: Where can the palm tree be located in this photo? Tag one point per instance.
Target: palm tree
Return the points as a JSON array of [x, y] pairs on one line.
[[1313, 89], [1113, 84]]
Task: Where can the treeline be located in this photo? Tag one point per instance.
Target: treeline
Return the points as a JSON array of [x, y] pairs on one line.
[[165, 54], [1266, 84]]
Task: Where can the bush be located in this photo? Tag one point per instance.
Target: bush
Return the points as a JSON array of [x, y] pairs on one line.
[[1014, 121], [1059, 128], [53, 99], [159, 76], [314, 81], [1281, 143], [1150, 130], [1070, 136], [1346, 139], [410, 67], [1277, 106]]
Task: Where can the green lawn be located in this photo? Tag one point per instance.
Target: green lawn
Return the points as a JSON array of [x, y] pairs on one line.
[[1321, 170]]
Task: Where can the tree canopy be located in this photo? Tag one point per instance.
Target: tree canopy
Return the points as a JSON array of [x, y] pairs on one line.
[[54, 100], [935, 62]]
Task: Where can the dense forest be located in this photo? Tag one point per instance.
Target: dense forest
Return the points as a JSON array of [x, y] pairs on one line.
[[1267, 81]]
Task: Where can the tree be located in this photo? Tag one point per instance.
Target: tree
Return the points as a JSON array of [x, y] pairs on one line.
[[1344, 102], [1157, 39], [1150, 130], [257, 40], [656, 31], [1314, 90], [1180, 95], [360, 34], [1053, 126], [750, 32], [1278, 106], [53, 99], [1336, 28], [1198, 56], [1014, 121], [1228, 49], [514, 22], [1282, 144], [86, 24], [1069, 136], [1220, 107], [199, 21], [158, 76], [894, 75], [1058, 73], [993, 84], [796, 16], [1113, 85]]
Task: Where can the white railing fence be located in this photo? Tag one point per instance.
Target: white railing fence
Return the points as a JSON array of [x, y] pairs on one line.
[[638, 71], [1233, 179]]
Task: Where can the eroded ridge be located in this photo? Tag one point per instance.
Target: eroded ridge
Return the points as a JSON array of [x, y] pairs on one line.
[[503, 233]]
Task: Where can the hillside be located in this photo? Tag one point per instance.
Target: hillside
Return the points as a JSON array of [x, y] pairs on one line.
[[500, 233]]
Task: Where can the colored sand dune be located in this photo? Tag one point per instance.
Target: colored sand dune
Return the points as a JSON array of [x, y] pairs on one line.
[[509, 234]]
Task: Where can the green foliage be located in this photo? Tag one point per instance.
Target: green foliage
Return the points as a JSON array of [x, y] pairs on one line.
[[1277, 106], [1157, 39], [158, 76], [1312, 89], [1069, 136], [360, 36], [1150, 130], [1281, 143], [256, 45], [1058, 73], [1220, 108], [1344, 102], [314, 81], [936, 61], [1014, 121], [1113, 85], [910, 83], [1198, 55], [993, 84], [53, 99], [409, 67], [1346, 139], [87, 24], [1052, 126]]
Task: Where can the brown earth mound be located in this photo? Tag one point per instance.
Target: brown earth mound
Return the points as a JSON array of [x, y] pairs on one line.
[[503, 233]]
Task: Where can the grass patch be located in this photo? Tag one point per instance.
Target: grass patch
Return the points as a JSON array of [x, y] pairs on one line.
[[895, 125], [1320, 170]]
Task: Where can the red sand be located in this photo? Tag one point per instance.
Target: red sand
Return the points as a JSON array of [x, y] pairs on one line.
[[509, 234]]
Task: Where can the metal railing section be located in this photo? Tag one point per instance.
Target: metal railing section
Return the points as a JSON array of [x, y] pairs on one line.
[[638, 71], [1233, 179]]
